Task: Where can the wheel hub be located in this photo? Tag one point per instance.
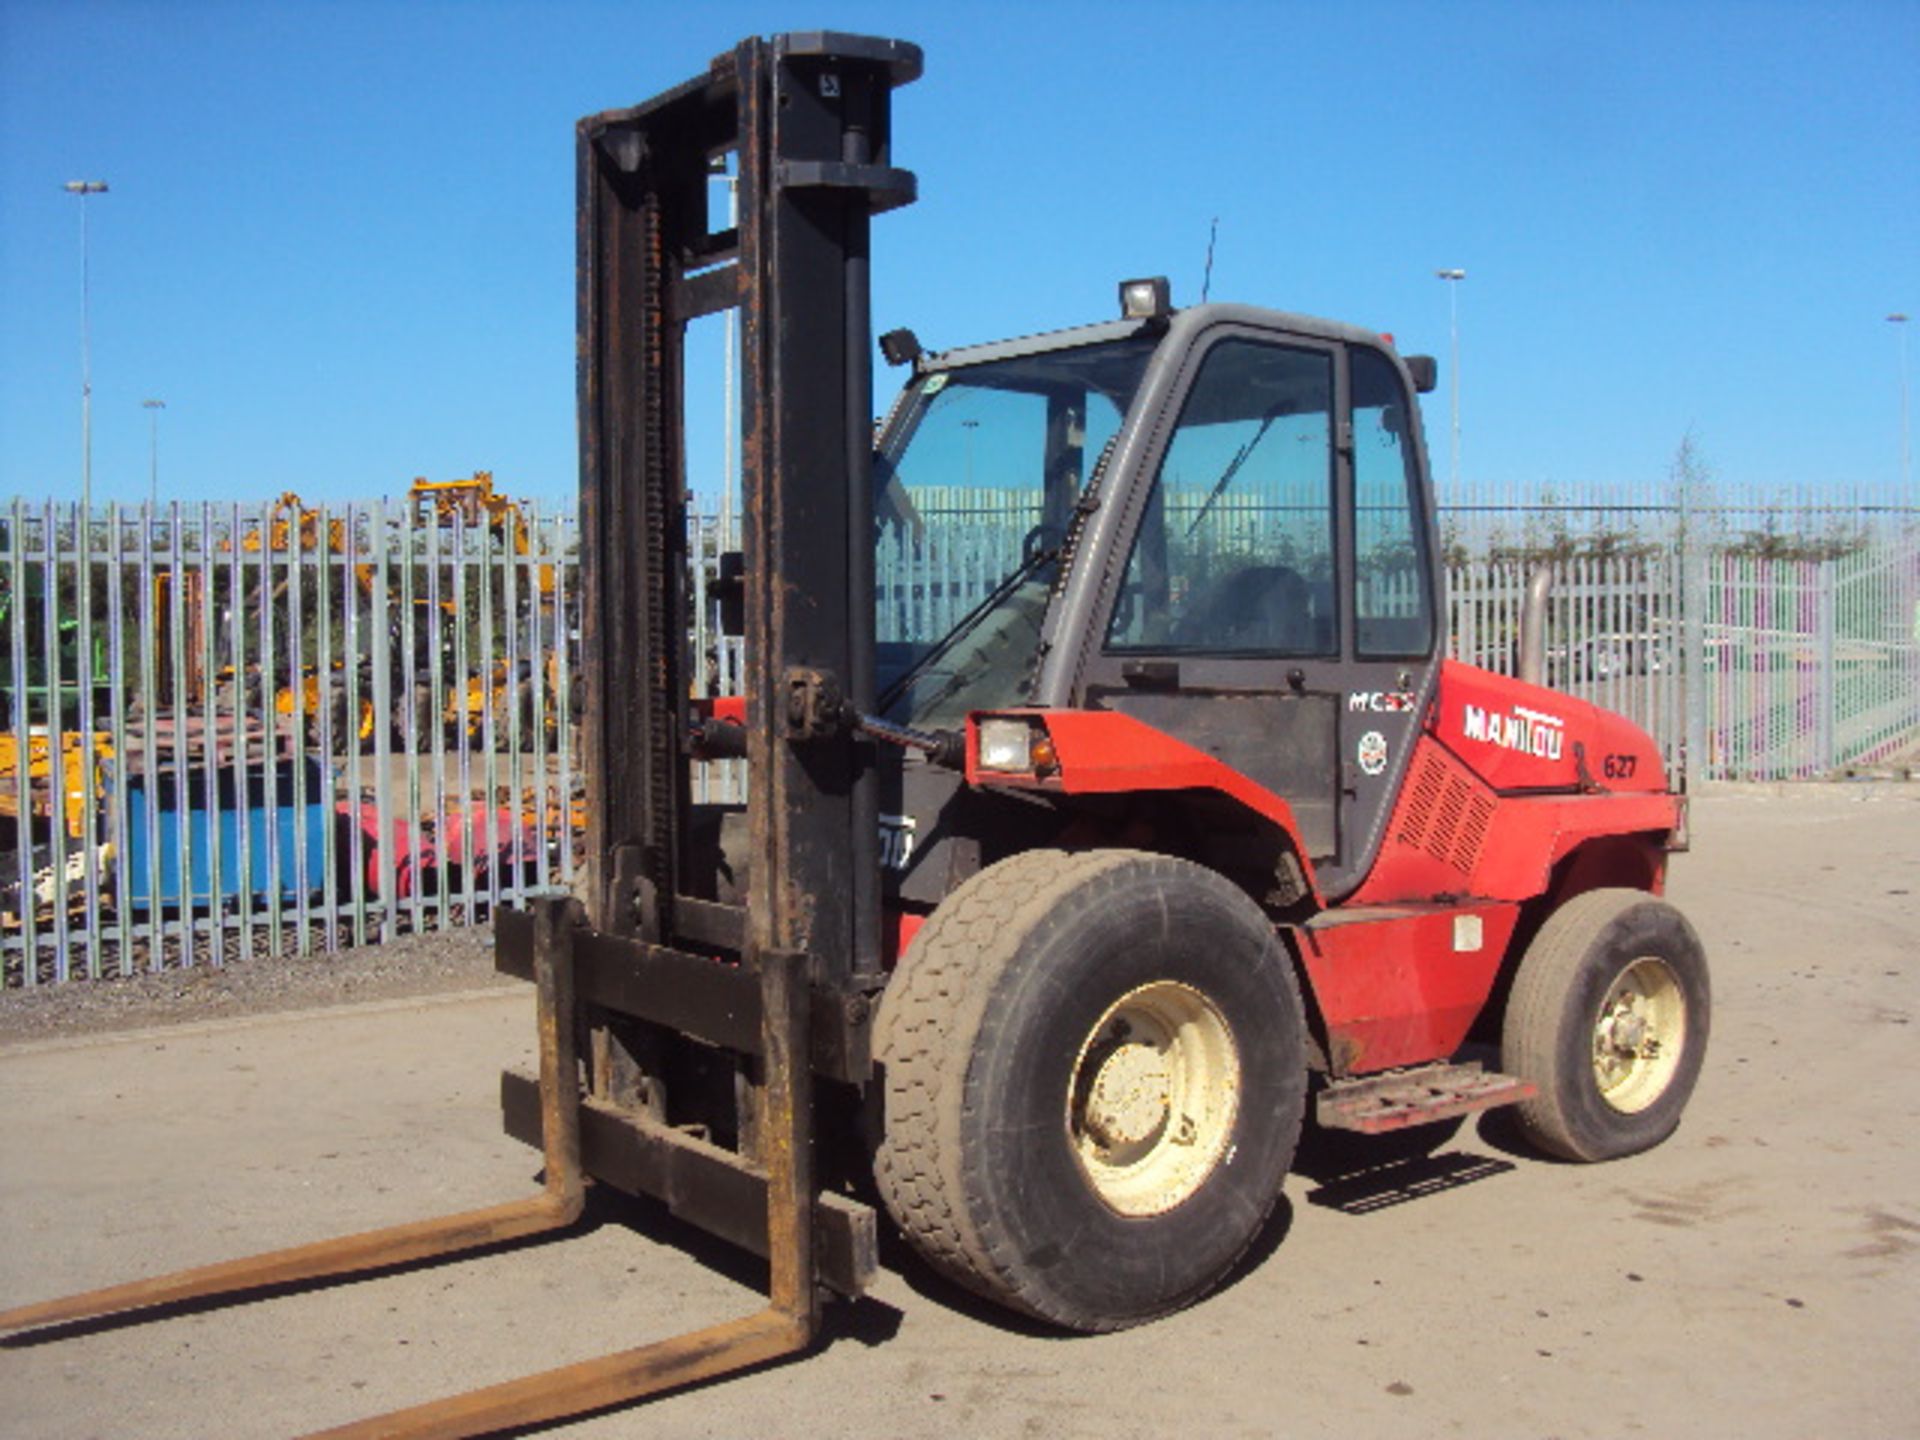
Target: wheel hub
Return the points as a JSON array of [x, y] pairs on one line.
[[1625, 1031], [1131, 1096], [1638, 1034], [1153, 1097]]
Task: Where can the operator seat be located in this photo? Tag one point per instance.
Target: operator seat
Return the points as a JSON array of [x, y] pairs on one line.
[[1257, 607]]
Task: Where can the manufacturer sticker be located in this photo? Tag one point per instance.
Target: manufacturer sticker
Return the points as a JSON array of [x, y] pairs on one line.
[[1527, 732], [896, 841], [1372, 753], [1380, 702]]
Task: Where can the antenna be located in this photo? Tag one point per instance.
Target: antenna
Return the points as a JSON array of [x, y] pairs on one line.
[[1206, 281]]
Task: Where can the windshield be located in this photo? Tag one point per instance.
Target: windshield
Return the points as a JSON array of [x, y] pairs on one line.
[[974, 488]]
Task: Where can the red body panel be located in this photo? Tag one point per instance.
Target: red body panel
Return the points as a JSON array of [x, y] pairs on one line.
[[1397, 992], [1402, 986], [898, 935], [1103, 752], [1505, 782], [1517, 736], [1584, 774], [1451, 835], [730, 709]]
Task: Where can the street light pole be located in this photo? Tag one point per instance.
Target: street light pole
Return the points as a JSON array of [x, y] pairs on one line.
[[1453, 279], [717, 170], [153, 409], [1899, 318], [84, 188], [732, 420]]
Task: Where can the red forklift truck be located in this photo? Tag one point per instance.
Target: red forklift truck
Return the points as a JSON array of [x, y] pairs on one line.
[[1111, 798]]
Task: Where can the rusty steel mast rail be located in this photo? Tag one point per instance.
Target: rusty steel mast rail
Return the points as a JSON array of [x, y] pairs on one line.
[[807, 117]]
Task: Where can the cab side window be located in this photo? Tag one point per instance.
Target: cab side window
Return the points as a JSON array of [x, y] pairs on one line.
[[1234, 554], [1391, 614]]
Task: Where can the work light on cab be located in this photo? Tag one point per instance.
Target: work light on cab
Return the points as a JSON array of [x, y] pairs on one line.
[[1150, 298]]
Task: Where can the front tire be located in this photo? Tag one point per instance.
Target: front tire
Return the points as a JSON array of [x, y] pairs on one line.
[[1095, 1071], [1609, 1018]]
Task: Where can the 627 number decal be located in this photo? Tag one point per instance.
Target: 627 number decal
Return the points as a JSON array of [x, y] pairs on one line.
[[1619, 767]]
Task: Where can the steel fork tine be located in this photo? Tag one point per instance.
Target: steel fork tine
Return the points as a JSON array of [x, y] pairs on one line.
[[370, 1250], [558, 1207], [591, 1384]]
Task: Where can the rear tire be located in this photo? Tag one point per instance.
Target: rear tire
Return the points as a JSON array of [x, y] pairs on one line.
[[1609, 1017], [1095, 1071]]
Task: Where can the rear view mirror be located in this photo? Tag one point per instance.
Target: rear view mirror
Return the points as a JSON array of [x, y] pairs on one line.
[[1425, 373]]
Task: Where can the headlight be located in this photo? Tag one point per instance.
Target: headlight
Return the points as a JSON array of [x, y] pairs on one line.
[[1017, 747], [1006, 745]]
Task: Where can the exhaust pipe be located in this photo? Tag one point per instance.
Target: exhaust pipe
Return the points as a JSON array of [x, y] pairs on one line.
[[1533, 627]]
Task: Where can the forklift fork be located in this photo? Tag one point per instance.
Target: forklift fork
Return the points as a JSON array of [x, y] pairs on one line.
[[556, 1208], [784, 1327]]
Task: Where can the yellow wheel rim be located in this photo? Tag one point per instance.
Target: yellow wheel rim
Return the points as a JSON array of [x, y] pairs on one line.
[[1638, 1035], [1156, 1086]]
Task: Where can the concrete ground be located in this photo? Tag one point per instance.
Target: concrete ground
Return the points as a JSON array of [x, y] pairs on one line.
[[1757, 1276]]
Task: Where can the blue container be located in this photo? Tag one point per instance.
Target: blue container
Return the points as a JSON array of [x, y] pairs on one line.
[[299, 820]]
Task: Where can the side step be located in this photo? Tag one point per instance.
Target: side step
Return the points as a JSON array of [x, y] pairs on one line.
[[1376, 1104]]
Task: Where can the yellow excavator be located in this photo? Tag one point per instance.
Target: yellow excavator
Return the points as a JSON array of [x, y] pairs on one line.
[[492, 688]]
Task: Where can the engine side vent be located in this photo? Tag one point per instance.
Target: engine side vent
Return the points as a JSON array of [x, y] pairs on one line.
[[1473, 830], [1446, 813], [1424, 789]]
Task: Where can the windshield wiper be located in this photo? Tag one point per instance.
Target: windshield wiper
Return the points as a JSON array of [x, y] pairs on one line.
[[967, 624], [1233, 467]]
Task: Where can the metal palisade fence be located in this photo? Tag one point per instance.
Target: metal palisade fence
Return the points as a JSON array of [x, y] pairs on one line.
[[227, 729], [235, 729], [1757, 635]]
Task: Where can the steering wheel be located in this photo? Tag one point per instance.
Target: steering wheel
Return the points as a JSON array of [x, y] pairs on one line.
[[1257, 607]]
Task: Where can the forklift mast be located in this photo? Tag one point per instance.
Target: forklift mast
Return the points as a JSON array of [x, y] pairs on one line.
[[806, 121]]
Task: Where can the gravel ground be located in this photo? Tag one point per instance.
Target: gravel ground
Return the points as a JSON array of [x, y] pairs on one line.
[[413, 965]]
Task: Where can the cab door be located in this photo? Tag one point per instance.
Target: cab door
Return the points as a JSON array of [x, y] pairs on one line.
[[1391, 640], [1275, 608], [1224, 629]]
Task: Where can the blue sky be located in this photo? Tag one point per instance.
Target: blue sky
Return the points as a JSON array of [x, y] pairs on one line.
[[339, 237]]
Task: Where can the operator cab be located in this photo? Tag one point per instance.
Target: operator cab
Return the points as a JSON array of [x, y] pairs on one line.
[[1215, 520]]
